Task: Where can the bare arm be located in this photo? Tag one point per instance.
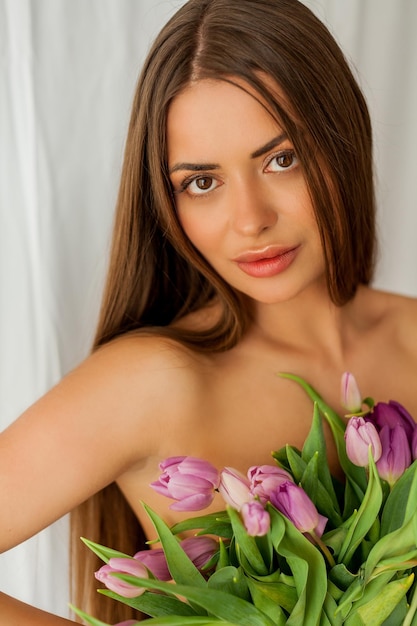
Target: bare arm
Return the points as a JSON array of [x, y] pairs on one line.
[[102, 420], [88, 431], [15, 613]]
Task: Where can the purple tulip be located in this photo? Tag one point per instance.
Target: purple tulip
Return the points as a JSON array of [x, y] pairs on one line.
[[122, 566], [256, 520], [393, 414], [155, 561], [396, 453], [294, 503], [234, 487], [189, 481], [200, 549], [264, 479], [359, 435], [351, 398]]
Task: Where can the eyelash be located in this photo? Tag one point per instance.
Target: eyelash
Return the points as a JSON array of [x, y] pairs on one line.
[[282, 153], [185, 184]]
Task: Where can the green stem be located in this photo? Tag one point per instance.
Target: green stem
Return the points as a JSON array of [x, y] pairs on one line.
[[329, 556]]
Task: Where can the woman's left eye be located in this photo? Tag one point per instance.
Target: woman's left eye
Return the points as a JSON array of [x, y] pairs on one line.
[[282, 161]]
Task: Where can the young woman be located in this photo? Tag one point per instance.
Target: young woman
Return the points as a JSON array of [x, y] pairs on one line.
[[244, 244]]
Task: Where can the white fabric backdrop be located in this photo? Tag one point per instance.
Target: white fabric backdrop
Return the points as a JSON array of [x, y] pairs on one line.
[[67, 74]]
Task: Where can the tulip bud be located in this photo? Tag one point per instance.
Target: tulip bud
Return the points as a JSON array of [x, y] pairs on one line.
[[265, 478], [122, 566], [255, 518], [359, 435], [351, 398], [189, 481], [294, 503], [234, 487], [200, 549], [155, 561], [396, 453]]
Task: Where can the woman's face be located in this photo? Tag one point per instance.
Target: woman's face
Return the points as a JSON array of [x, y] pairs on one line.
[[240, 192]]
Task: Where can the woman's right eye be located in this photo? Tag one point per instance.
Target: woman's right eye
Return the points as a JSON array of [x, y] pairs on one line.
[[199, 185]]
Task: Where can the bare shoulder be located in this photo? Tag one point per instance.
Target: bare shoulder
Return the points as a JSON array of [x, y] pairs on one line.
[[391, 317], [149, 372], [388, 307]]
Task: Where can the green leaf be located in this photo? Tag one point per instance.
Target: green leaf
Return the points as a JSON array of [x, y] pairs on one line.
[[397, 616], [213, 524], [330, 609], [296, 463], [104, 553], [282, 595], [318, 493], [359, 593], [396, 544], [224, 559], [308, 568], [247, 544], [400, 504], [88, 618], [266, 600], [230, 580], [182, 569], [153, 604], [281, 458], [366, 515], [341, 576], [382, 605], [220, 604], [315, 445]]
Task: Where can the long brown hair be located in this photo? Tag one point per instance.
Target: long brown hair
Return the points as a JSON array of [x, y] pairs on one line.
[[155, 275]]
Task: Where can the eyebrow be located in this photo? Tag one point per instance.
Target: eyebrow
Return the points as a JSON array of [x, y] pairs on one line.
[[276, 141], [200, 167]]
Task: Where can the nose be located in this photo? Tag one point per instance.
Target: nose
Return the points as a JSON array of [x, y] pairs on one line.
[[251, 211]]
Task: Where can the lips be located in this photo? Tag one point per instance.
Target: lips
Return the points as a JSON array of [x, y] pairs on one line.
[[258, 255], [267, 262]]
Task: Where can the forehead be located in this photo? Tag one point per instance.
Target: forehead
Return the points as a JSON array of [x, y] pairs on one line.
[[211, 115]]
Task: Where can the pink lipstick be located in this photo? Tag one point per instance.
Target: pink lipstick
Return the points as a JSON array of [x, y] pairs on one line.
[[266, 263]]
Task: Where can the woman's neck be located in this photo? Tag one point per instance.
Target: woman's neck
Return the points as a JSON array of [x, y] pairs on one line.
[[309, 322]]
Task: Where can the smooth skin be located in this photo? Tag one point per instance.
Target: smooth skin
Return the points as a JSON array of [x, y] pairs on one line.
[[138, 400]]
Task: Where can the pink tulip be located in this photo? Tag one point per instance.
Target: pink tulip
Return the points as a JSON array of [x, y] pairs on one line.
[[122, 566], [264, 479], [294, 503], [396, 453], [256, 520], [200, 549], [155, 561], [128, 622], [234, 487], [351, 398], [359, 435], [189, 481]]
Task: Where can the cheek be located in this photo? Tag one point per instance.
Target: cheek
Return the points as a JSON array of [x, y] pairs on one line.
[[200, 229]]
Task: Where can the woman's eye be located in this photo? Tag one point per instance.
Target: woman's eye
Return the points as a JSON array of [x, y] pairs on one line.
[[199, 185], [282, 161]]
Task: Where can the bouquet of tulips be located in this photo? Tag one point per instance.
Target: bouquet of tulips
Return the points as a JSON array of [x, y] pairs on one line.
[[294, 545]]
